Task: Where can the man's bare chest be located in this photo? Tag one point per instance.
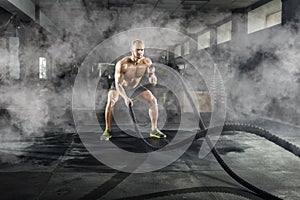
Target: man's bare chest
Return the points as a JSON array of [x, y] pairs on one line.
[[134, 71]]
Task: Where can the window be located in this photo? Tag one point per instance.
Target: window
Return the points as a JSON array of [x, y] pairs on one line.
[[177, 51], [43, 68], [186, 48], [273, 19], [100, 66], [224, 32], [164, 57], [181, 68], [203, 40], [265, 16]]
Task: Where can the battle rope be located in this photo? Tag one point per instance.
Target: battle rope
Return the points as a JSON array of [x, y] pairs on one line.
[[260, 192], [263, 194]]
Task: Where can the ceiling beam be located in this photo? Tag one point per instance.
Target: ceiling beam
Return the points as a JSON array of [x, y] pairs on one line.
[[27, 11]]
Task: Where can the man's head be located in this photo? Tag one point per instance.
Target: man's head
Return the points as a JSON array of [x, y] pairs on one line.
[[137, 48]]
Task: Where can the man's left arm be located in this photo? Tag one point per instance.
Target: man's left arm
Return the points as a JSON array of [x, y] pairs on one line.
[[151, 73]]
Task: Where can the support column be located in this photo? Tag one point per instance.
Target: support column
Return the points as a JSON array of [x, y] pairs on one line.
[[290, 11], [239, 39]]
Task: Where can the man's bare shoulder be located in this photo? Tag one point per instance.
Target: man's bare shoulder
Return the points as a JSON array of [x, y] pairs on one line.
[[124, 60], [147, 60]]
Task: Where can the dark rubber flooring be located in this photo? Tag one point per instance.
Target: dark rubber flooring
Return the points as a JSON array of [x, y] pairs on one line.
[[56, 165]]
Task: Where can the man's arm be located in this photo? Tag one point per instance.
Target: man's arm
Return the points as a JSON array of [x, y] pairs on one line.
[[151, 72], [118, 82]]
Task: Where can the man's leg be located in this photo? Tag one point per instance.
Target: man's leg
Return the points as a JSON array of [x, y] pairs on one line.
[[148, 98], [112, 98]]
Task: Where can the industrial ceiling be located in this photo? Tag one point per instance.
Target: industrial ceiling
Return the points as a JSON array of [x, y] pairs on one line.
[[165, 5]]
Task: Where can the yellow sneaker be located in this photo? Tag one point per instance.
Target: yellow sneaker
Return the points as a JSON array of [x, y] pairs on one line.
[[157, 134], [106, 135]]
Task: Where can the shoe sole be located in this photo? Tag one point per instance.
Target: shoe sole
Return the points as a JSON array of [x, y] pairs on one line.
[[105, 139], [159, 137]]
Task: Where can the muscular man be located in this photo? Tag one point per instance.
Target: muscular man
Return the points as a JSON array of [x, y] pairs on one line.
[[129, 72]]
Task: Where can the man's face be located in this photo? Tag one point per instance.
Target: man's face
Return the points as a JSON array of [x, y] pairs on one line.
[[137, 50]]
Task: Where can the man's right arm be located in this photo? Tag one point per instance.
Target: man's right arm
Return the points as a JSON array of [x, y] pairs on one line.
[[118, 82]]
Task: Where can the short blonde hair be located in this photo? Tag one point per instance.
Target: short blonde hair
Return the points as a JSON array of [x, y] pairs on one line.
[[137, 41]]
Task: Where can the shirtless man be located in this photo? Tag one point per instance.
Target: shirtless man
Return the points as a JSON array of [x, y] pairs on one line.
[[129, 72]]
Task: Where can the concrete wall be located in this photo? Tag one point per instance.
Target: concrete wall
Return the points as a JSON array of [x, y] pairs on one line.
[[262, 77]]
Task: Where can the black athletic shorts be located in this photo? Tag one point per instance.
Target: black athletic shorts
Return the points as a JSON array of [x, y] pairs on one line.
[[133, 92]]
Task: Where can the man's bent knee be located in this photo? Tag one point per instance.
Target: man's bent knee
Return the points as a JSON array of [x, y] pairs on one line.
[[111, 103]]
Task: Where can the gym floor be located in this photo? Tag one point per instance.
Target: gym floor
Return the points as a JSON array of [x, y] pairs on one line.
[[58, 166]]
